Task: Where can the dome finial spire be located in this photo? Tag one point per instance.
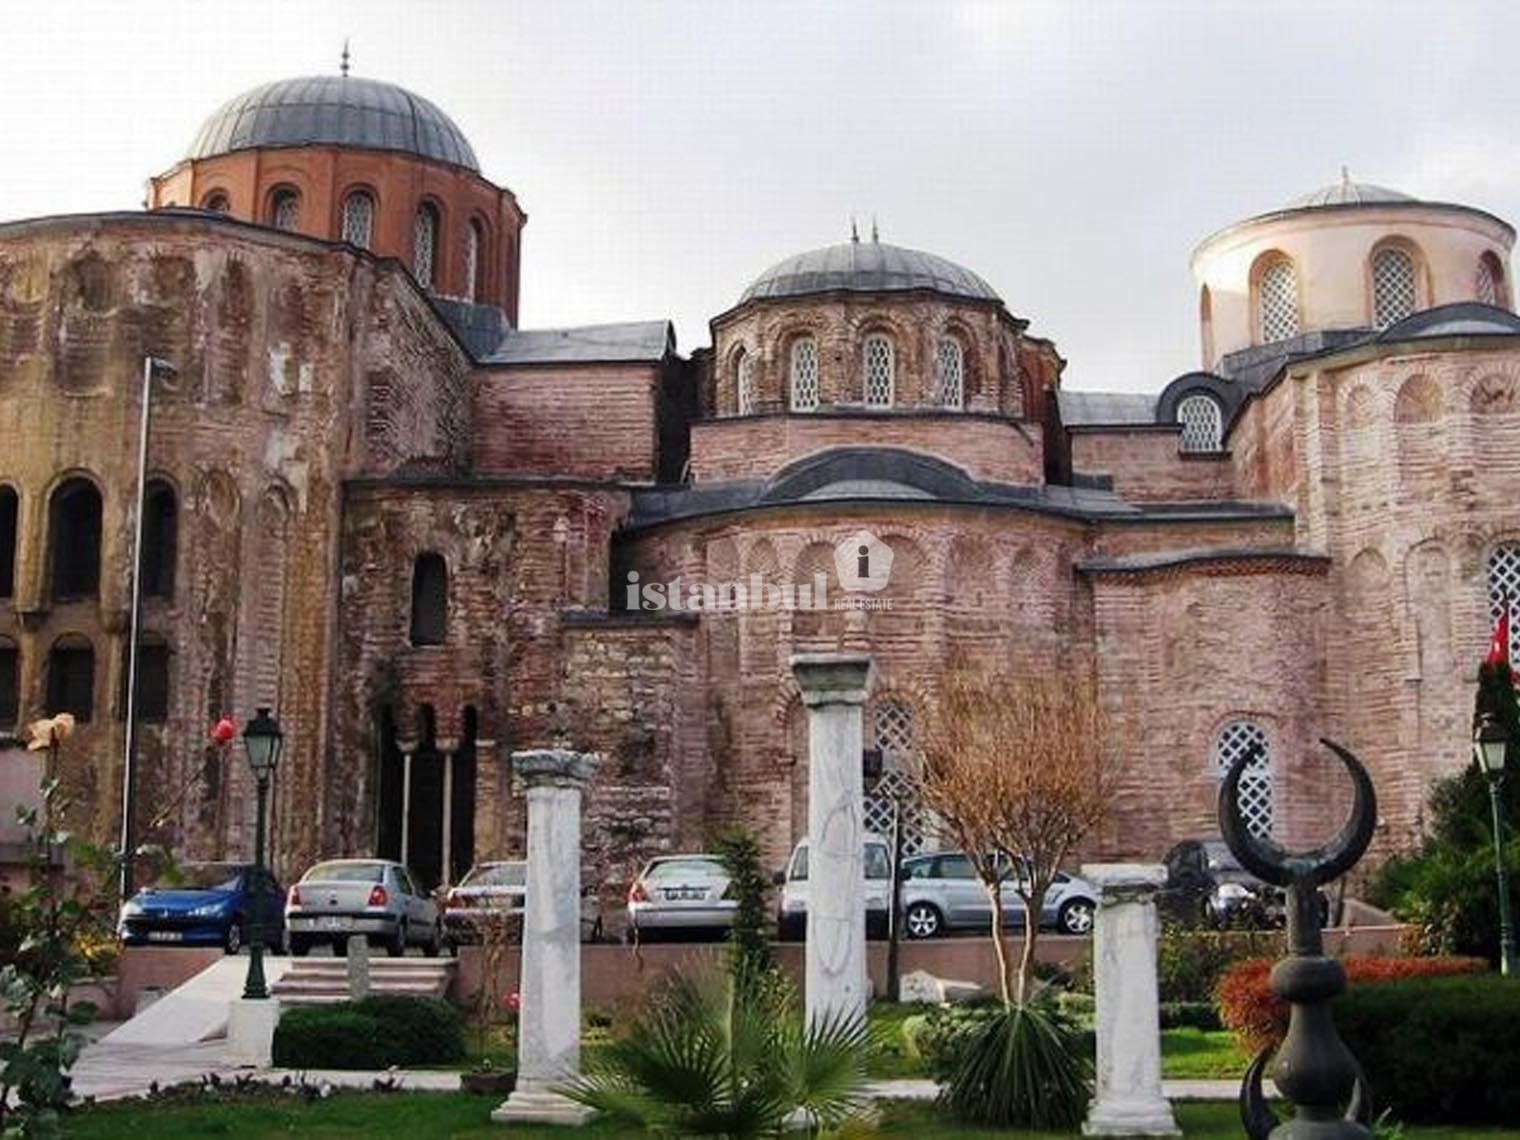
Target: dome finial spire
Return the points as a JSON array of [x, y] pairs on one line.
[[875, 236], [343, 60], [1345, 175], [854, 231]]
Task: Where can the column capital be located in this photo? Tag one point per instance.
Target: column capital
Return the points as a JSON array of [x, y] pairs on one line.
[[1125, 882], [834, 678], [555, 767]]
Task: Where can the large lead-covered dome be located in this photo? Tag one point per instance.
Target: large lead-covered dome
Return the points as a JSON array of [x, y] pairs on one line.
[[334, 110], [867, 267]]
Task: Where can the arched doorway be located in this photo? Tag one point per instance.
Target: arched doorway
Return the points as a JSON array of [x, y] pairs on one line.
[[425, 810]]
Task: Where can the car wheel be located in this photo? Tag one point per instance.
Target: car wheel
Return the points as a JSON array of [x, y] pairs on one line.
[[396, 947], [1075, 917], [434, 945], [232, 941], [299, 947], [922, 920]]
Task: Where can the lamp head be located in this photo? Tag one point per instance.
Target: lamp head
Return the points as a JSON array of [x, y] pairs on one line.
[[262, 740], [1489, 744]]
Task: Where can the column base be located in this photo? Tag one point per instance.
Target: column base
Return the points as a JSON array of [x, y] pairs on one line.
[[1131, 1118], [534, 1103], [250, 1030]]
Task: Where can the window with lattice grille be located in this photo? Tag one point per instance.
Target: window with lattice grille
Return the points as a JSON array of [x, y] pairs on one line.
[[358, 219], [1488, 286], [880, 368], [285, 213], [805, 375], [1393, 286], [949, 373], [1278, 300], [472, 244], [1202, 423], [744, 383], [1256, 787], [894, 733], [1504, 583], [425, 244]]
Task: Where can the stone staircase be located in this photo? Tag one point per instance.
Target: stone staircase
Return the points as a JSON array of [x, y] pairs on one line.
[[315, 981]]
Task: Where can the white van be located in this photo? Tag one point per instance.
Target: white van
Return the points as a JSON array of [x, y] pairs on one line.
[[791, 919]]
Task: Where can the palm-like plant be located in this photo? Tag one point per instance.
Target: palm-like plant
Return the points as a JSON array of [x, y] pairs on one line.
[[709, 1059]]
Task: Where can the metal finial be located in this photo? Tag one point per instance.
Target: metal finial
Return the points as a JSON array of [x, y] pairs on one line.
[[1345, 175], [343, 62], [854, 231], [875, 237]]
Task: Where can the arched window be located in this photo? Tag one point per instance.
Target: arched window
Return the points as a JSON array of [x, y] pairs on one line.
[[1277, 300], [74, 540], [430, 599], [894, 733], [358, 219], [1202, 423], [1256, 788], [8, 511], [474, 243], [1394, 294], [285, 209], [425, 243], [805, 375], [744, 383], [217, 202], [160, 540], [949, 373], [152, 680], [1504, 584], [10, 683], [71, 678], [1490, 285], [879, 371]]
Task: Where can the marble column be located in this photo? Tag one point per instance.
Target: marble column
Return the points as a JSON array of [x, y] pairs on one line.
[[549, 1023], [834, 689], [1128, 1099]]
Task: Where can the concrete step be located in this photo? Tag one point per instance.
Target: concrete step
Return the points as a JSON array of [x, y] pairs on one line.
[[314, 980]]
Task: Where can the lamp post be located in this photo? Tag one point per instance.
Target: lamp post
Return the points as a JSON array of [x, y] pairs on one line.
[[262, 740], [1490, 743], [151, 367]]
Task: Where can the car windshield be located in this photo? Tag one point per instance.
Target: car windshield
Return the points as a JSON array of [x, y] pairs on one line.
[[693, 867], [497, 875], [345, 873], [202, 877], [878, 863]]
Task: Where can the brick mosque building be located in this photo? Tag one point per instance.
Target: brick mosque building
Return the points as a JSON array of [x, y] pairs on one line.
[[415, 529]]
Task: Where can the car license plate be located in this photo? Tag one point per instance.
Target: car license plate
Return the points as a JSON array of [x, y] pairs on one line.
[[685, 894], [333, 922], [165, 936]]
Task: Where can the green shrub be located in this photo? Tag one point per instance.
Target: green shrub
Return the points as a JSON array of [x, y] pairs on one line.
[[1189, 963], [937, 1037], [1080, 1009], [1438, 1050], [375, 1033], [1190, 1015], [1023, 1067]]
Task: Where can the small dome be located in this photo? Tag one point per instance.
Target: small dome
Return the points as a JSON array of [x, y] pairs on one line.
[[334, 110], [866, 267], [1348, 193]]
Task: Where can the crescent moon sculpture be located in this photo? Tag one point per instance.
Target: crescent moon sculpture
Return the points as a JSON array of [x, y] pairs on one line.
[[1313, 1068]]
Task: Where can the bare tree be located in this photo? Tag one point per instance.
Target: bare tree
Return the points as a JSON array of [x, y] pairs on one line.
[[1013, 767]]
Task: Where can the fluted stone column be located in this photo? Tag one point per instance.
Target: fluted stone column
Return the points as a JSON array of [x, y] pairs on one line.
[[1128, 1100], [834, 689], [549, 1022]]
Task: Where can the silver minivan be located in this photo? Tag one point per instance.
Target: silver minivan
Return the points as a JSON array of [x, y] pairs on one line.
[[941, 892], [791, 919], [377, 898]]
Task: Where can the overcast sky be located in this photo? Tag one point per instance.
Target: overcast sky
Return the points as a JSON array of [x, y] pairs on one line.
[[667, 152]]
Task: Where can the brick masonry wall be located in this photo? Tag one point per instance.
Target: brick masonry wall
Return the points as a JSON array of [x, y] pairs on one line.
[[1146, 466]]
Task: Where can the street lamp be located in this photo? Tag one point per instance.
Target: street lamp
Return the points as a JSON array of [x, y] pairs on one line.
[[262, 740], [1490, 742]]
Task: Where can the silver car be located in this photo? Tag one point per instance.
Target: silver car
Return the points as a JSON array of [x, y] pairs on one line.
[[373, 897], [791, 917], [489, 890], [679, 893], [941, 892]]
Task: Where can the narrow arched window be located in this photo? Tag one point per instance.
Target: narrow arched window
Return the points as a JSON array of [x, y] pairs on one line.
[[1257, 793], [949, 373], [74, 540], [1504, 586], [71, 678], [430, 599], [152, 706], [1202, 423], [1206, 325], [9, 505], [744, 383], [358, 219], [1394, 294], [285, 210], [217, 202], [160, 540], [804, 383], [1490, 285], [1277, 301], [474, 243], [10, 683], [880, 371], [425, 243], [894, 732]]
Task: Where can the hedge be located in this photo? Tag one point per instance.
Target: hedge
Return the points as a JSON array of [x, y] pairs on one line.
[[375, 1033], [1258, 1018], [1438, 1050]]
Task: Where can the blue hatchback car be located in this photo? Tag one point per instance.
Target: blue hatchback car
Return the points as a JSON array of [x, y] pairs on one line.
[[208, 904]]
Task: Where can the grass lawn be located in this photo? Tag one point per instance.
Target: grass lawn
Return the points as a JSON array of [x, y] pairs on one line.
[[423, 1116]]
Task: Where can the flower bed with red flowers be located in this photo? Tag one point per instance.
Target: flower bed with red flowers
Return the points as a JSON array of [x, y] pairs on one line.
[[1258, 1017]]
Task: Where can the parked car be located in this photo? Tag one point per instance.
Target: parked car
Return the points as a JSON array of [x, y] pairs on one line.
[[373, 897], [791, 919], [1206, 883], [497, 888], [208, 904], [685, 893], [941, 892]]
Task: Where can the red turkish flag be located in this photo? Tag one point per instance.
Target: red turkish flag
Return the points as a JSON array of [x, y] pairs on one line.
[[1498, 645]]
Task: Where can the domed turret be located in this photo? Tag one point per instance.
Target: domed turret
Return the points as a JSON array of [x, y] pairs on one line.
[[867, 267]]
